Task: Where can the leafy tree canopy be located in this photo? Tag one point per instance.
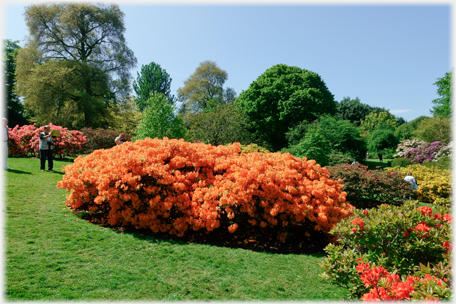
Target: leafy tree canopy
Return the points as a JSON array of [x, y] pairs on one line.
[[152, 78], [159, 120], [405, 131], [373, 120], [353, 110], [437, 128], [313, 146], [443, 104], [205, 84], [14, 107], [382, 138], [281, 98], [81, 52]]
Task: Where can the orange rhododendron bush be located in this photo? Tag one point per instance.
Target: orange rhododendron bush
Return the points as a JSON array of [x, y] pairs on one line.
[[173, 186]]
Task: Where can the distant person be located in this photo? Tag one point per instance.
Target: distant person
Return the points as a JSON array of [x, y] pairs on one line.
[[120, 139], [5, 143], [367, 155], [380, 157], [412, 181], [354, 163], [46, 148]]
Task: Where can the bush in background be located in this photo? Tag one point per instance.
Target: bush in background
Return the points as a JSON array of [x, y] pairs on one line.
[[396, 238], [252, 148], [406, 145], [401, 162], [20, 139], [424, 152], [433, 183], [443, 163], [100, 139], [173, 186], [368, 188]]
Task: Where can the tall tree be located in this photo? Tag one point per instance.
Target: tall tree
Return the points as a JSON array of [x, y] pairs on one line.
[[443, 104], [152, 78], [353, 110], [437, 128], [205, 84], [282, 97], [374, 120], [81, 51], [14, 108]]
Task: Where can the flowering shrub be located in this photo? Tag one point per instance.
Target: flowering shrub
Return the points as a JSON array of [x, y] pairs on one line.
[[172, 186], [68, 143], [445, 151], [388, 286], [25, 142], [426, 151], [253, 148], [100, 139], [369, 188], [433, 183], [20, 141], [399, 239], [406, 145]]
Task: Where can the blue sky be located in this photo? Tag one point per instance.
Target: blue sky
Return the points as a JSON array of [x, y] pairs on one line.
[[386, 55]]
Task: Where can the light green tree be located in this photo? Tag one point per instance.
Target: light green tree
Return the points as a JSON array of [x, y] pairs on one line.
[[373, 120], [437, 128], [159, 120]]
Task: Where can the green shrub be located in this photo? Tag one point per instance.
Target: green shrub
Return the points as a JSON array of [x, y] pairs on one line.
[[400, 162], [369, 188], [253, 148], [100, 139], [444, 163], [336, 158], [397, 238]]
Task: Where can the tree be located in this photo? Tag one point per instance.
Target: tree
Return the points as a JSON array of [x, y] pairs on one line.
[[219, 125], [353, 110], [405, 131], [437, 128], [313, 146], [205, 84], [382, 138], [75, 63], [158, 120], [152, 78], [14, 107], [281, 98], [443, 105], [373, 120]]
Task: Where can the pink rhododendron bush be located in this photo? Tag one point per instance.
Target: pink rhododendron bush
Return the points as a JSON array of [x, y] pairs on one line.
[[24, 141], [173, 186], [393, 253]]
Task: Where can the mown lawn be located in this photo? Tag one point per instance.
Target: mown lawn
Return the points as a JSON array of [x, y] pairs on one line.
[[51, 254]]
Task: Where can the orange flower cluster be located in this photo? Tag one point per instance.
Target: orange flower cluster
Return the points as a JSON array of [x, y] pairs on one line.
[[391, 287], [173, 186]]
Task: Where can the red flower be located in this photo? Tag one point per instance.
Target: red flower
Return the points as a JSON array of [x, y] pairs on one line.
[[425, 210], [359, 222], [365, 212]]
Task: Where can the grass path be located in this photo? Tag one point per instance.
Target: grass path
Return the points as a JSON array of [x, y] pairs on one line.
[[50, 254]]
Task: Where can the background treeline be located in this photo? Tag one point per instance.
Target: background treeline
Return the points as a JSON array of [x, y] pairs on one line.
[[73, 72]]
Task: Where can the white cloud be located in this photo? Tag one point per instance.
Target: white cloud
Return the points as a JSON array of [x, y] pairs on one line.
[[400, 111]]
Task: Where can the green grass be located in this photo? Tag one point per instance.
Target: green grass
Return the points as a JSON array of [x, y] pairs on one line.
[[374, 163], [53, 255]]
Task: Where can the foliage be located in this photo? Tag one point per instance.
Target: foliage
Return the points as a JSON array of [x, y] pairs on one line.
[[125, 116], [205, 84], [380, 139], [218, 124], [433, 183], [437, 128], [14, 107], [100, 139], [75, 63], [281, 98], [397, 238], [24, 141], [374, 119], [252, 148], [353, 110], [152, 78], [400, 162], [443, 104], [426, 151], [313, 146], [406, 145], [388, 152], [173, 186], [443, 163], [369, 188], [406, 130], [158, 120], [446, 151], [336, 158]]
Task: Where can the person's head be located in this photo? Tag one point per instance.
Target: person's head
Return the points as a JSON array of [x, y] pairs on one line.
[[409, 173], [47, 129], [5, 121]]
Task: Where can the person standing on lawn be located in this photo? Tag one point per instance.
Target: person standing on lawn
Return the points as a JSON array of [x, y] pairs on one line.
[[380, 157], [46, 148]]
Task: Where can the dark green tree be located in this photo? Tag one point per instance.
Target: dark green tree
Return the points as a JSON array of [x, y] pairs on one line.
[[353, 110], [152, 78], [443, 104], [14, 107], [382, 138], [313, 146], [81, 51], [281, 98]]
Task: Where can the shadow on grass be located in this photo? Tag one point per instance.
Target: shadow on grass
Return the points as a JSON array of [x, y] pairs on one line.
[[300, 241], [18, 171]]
